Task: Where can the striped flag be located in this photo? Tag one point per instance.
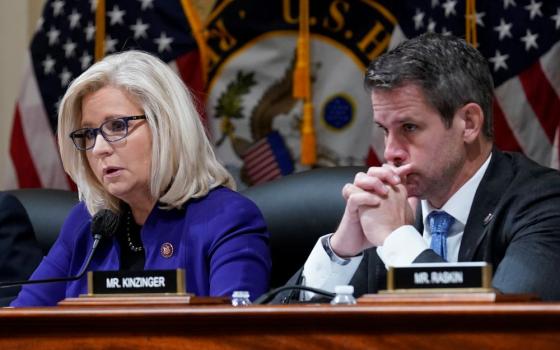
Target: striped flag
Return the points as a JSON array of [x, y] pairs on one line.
[[521, 40], [267, 159], [62, 48]]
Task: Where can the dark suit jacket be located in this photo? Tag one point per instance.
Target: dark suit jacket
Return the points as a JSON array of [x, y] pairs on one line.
[[514, 224], [19, 251]]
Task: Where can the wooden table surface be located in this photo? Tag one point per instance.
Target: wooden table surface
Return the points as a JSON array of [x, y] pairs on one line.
[[154, 325]]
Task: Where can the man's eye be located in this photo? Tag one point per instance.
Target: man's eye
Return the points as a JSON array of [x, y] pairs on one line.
[[384, 129], [409, 127]]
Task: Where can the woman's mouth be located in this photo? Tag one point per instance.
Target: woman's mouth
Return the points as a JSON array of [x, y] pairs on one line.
[[110, 172]]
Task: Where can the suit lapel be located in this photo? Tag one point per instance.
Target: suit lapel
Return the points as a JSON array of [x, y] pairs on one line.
[[488, 194]]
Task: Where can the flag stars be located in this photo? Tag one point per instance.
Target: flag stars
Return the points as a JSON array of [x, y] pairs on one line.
[[57, 104], [69, 48], [53, 35], [48, 65], [93, 5], [139, 29], [499, 61], [504, 29], [418, 19], [147, 4], [163, 42], [85, 60], [74, 19], [530, 40], [534, 9], [90, 31], [445, 31], [478, 18], [116, 15], [40, 23], [509, 2], [65, 77], [58, 7], [431, 26], [556, 18], [449, 8], [110, 44]]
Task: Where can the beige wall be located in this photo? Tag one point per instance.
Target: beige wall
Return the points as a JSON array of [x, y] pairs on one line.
[[17, 22]]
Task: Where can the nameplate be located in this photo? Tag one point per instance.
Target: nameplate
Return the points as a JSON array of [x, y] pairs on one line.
[[136, 282], [460, 276]]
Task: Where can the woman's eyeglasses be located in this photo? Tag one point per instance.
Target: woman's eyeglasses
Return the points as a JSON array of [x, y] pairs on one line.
[[112, 130]]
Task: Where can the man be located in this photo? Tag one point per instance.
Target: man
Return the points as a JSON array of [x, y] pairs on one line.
[[20, 250], [432, 96]]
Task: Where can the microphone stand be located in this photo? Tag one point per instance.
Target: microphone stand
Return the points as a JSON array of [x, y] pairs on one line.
[[96, 239], [104, 224]]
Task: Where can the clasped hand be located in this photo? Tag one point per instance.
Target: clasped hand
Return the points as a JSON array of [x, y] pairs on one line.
[[376, 205]]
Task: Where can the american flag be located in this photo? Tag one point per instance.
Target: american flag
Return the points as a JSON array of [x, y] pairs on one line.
[[62, 48], [521, 40], [267, 159]]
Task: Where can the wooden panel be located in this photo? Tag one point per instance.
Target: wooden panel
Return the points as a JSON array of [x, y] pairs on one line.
[[384, 326]]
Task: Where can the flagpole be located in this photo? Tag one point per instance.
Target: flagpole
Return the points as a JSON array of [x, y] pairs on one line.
[[470, 23], [198, 33], [100, 30], [302, 86]]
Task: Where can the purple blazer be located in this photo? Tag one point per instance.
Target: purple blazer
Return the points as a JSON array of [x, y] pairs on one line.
[[221, 241]]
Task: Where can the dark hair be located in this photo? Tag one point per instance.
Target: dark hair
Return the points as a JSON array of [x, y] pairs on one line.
[[450, 72]]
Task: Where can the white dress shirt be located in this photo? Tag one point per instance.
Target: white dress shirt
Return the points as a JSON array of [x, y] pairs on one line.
[[402, 246]]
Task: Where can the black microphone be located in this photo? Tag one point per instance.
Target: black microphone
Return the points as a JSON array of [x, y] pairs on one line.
[[104, 224]]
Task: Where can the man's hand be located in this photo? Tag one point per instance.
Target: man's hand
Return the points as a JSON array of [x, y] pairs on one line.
[[392, 212], [367, 191]]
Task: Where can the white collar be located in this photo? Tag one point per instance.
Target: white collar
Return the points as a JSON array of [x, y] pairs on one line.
[[459, 205]]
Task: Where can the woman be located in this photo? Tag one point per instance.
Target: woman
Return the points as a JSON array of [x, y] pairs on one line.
[[138, 148]]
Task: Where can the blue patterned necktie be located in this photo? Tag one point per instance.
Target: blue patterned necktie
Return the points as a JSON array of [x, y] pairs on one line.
[[440, 223]]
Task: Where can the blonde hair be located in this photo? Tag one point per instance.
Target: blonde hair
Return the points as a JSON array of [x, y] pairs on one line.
[[183, 163]]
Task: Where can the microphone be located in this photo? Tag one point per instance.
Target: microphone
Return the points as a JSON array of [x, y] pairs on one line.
[[104, 224], [267, 297]]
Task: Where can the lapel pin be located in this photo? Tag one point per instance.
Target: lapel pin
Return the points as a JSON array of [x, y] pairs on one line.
[[488, 218], [166, 250]]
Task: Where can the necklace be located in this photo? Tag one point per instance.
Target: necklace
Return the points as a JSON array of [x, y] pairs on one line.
[[131, 245]]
